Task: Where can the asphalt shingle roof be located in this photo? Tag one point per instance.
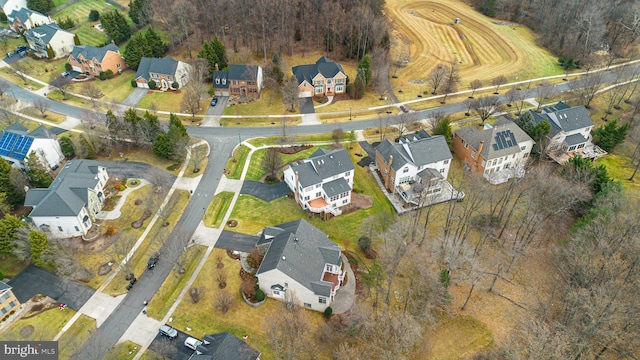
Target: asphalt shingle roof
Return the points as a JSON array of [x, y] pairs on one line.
[[44, 32], [564, 118], [575, 139], [224, 346], [498, 139], [4, 286], [91, 52], [321, 165], [222, 77], [301, 251], [67, 194], [166, 66], [336, 187], [323, 66], [420, 152]]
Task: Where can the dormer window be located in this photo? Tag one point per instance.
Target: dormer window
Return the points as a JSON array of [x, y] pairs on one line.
[[224, 81], [217, 80]]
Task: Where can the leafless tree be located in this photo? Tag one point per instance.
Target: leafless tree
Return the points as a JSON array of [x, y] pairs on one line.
[[19, 69], [498, 81], [402, 122], [271, 161], [177, 251], [437, 77], [544, 91], [4, 86], [197, 154], [587, 87], [166, 349], [42, 106], [164, 211], [92, 92], [468, 103], [451, 81], [290, 94], [486, 106], [124, 241], [62, 84], [289, 335], [224, 302], [474, 85]]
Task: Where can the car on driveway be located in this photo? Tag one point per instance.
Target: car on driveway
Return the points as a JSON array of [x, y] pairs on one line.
[[153, 260], [65, 74], [214, 101], [192, 343], [168, 331]]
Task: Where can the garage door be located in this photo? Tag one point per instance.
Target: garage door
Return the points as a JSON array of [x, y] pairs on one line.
[[304, 94], [225, 93]]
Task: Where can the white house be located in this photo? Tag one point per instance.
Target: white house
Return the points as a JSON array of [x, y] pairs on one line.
[[25, 19], [163, 71], [9, 5], [570, 132], [61, 42], [69, 206], [17, 143], [323, 182], [499, 152], [301, 264], [416, 166]]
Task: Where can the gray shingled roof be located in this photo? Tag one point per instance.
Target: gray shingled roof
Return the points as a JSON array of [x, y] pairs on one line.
[[323, 66], [301, 251], [575, 139], [4, 286], [420, 152], [166, 66], [91, 52], [564, 118], [220, 75], [224, 346], [44, 32], [67, 194], [336, 187], [21, 14], [322, 165], [492, 136], [243, 72], [41, 132]]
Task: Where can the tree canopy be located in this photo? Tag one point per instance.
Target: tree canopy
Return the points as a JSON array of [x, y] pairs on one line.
[[215, 53], [147, 44], [43, 6], [115, 25]]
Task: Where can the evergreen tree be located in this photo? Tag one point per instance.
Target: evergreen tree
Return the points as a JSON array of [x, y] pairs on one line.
[[66, 145], [357, 90], [38, 243], [365, 65], [177, 131], [215, 53], [444, 128], [8, 227], [140, 12], [43, 6], [610, 135], [149, 127], [163, 146], [115, 25], [157, 47], [14, 196]]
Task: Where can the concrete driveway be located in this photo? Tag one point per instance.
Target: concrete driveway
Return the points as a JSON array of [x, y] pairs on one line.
[[306, 105], [134, 98], [34, 280], [171, 348], [219, 108], [230, 240], [264, 191]]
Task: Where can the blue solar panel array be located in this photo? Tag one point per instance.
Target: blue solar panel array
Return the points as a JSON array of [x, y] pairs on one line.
[[504, 139], [15, 146]]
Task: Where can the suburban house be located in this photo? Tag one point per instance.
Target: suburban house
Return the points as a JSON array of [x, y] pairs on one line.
[[18, 143], [570, 132], [415, 168], [69, 205], [499, 152], [8, 301], [239, 80], [9, 5], [50, 41], [163, 71], [94, 60], [224, 346], [301, 264], [325, 77], [323, 182], [25, 19]]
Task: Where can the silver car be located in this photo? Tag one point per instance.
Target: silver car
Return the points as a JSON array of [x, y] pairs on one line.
[[192, 343], [168, 331]]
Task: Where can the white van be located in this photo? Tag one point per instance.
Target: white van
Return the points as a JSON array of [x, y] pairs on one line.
[[192, 343]]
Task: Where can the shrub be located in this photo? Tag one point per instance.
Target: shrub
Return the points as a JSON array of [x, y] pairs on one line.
[[175, 85], [68, 67], [444, 278], [66, 145], [259, 295], [3, 17], [364, 243], [1, 276], [109, 73], [152, 84], [223, 302], [102, 75], [111, 230], [327, 312], [94, 15], [134, 83]]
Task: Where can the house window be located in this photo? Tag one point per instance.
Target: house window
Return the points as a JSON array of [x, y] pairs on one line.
[[339, 81], [404, 179], [473, 154], [118, 65], [525, 156], [522, 148], [446, 162], [224, 81], [217, 81], [276, 292], [339, 88], [406, 170], [580, 146], [466, 146], [500, 162], [306, 198], [322, 300], [307, 305], [572, 148], [319, 89], [345, 201], [484, 162], [60, 228], [347, 173], [318, 194], [441, 171], [77, 228]]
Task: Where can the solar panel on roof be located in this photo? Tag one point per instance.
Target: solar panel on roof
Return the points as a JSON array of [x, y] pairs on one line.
[[22, 147], [6, 143], [495, 147]]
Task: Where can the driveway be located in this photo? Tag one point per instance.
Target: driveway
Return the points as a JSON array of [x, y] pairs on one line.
[[171, 348], [264, 191], [34, 280], [134, 98], [136, 170], [219, 108], [230, 240], [306, 105]]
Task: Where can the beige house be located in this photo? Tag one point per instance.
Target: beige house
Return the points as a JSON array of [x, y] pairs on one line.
[[325, 77], [50, 36], [163, 71], [25, 19]]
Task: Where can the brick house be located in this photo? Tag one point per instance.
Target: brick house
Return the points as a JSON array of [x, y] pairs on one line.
[[25, 19], [239, 80], [325, 77], [163, 71], [499, 152], [93, 60]]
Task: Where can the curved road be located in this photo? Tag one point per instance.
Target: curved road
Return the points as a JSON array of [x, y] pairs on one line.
[[222, 140]]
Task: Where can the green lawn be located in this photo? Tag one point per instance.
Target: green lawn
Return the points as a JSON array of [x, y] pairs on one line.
[[76, 336], [267, 104], [300, 139], [165, 101], [123, 351], [89, 35], [79, 11], [10, 266], [45, 325], [217, 209], [255, 171], [253, 214], [236, 163], [114, 89], [10, 75], [57, 3]]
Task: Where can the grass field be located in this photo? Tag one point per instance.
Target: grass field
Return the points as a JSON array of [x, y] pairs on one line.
[[89, 35], [79, 11], [482, 48], [236, 163], [217, 209]]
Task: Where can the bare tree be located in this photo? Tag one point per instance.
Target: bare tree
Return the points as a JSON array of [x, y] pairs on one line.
[[62, 84], [19, 69], [451, 81], [42, 106], [197, 154], [289, 335], [437, 76], [474, 85], [290, 94], [223, 302], [92, 92], [587, 87], [498, 81], [486, 106], [544, 91], [177, 251], [271, 161], [120, 248], [4, 86]]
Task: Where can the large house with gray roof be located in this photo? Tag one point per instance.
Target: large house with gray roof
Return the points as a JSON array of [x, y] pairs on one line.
[[416, 167], [93, 60], [325, 77], [301, 264], [17, 144], [50, 41], [224, 346], [570, 132], [323, 182], [8, 6], [499, 152], [164, 72], [68, 207], [239, 80], [24, 19]]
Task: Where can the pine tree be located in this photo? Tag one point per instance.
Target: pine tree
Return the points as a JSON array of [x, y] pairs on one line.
[[157, 46], [14, 196], [38, 242], [163, 146], [115, 25], [8, 227]]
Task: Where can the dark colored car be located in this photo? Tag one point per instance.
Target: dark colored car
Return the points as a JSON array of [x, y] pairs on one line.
[[168, 331], [153, 260], [22, 48], [131, 282], [214, 101]]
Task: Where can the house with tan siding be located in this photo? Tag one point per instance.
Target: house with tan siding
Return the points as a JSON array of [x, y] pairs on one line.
[[93, 60], [325, 77], [25, 19], [8, 302], [163, 71], [60, 41]]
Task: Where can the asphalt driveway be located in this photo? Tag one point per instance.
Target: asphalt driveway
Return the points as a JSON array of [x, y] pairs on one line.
[[230, 240], [136, 170], [264, 191], [306, 105], [219, 108], [171, 348], [134, 98], [34, 280]]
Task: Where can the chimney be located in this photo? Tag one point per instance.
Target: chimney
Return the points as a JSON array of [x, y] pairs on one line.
[[478, 159], [216, 67], [387, 174], [296, 193]]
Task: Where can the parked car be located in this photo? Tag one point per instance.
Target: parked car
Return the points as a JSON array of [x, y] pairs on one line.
[[10, 54], [153, 260], [65, 74], [22, 48], [23, 53], [192, 343], [404, 108], [131, 282], [168, 331], [214, 101]]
